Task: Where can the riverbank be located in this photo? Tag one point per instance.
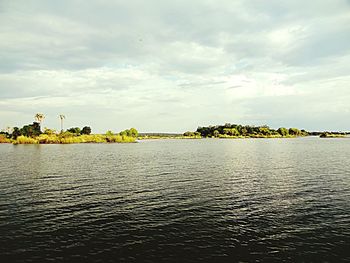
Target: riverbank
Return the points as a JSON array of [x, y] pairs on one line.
[[333, 135], [62, 139]]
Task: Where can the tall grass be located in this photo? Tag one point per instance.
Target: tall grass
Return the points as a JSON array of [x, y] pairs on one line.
[[25, 140], [70, 138], [120, 138], [3, 139]]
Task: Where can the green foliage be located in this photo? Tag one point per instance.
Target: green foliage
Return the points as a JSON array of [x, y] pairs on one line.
[[294, 131], [238, 131], [48, 138], [216, 133], [69, 138], [75, 130], [31, 134], [49, 131], [31, 130], [25, 140], [109, 133], [231, 131], [332, 135], [15, 133], [283, 131], [132, 132], [66, 134], [120, 138], [265, 130], [86, 130], [190, 134]]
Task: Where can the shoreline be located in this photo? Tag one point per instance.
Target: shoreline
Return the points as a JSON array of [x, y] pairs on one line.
[[106, 140]]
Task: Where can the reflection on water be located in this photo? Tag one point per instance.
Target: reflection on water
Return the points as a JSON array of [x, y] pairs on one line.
[[176, 200]]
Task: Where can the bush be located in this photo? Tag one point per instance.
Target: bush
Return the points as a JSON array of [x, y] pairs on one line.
[[3, 139], [49, 131], [25, 140], [75, 130], [283, 131], [294, 131], [86, 130], [132, 132], [48, 139]]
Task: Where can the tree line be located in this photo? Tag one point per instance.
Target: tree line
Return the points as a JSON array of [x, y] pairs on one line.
[[32, 133], [236, 130]]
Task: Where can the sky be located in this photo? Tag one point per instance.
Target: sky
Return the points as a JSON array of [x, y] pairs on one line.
[[171, 66]]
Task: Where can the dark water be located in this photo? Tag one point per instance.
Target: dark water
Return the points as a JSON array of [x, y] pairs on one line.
[[264, 200]]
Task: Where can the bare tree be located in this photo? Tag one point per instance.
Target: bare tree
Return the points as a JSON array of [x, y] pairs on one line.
[[62, 117], [39, 117]]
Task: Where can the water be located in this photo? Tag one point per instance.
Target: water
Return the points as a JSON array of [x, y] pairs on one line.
[[264, 200]]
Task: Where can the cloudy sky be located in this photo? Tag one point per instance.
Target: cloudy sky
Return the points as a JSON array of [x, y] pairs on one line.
[[170, 66]]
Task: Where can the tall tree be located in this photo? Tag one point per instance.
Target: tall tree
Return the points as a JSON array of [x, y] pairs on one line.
[[86, 130], [62, 117], [39, 117]]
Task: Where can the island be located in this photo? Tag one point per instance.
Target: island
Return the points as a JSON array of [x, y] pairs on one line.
[[33, 134], [229, 130]]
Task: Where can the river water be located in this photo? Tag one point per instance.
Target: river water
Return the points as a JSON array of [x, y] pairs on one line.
[[208, 200]]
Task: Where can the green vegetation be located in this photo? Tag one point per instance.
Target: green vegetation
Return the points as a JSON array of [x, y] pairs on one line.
[[239, 131], [4, 139], [150, 136], [32, 134], [332, 135], [194, 135]]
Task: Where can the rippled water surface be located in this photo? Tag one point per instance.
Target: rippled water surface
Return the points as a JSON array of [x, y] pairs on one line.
[[176, 201]]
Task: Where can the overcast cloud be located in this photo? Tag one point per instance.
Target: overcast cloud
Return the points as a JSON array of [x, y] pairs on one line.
[[170, 66]]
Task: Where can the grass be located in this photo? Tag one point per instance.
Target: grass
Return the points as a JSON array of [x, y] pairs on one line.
[[3, 139], [70, 139], [25, 140], [151, 137], [332, 135]]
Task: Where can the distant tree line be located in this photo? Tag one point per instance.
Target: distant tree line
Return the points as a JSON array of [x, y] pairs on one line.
[[236, 130], [34, 130], [33, 134]]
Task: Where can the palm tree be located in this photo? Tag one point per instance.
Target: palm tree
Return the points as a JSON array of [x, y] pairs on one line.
[[62, 117], [39, 117]]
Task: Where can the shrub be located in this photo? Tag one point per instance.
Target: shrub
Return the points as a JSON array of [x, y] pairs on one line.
[[75, 130], [3, 139], [86, 130], [25, 140], [283, 131], [48, 139]]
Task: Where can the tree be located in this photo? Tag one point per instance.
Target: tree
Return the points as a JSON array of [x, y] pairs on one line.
[[39, 117], [216, 133], [188, 134], [49, 131], [231, 131], [31, 130], [15, 133], [75, 130], [294, 131], [264, 130], [283, 131], [109, 133], [86, 130], [62, 117], [123, 133], [133, 132]]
